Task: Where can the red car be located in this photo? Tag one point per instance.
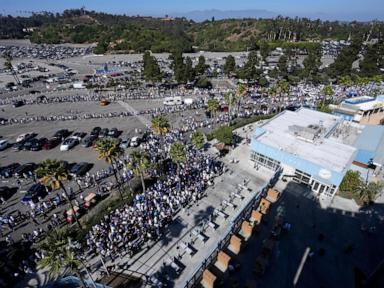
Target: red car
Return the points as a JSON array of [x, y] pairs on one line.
[[51, 143]]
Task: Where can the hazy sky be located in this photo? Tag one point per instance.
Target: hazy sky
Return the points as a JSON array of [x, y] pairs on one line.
[[341, 9]]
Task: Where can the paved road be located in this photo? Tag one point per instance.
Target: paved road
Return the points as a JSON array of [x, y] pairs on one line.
[[132, 110]]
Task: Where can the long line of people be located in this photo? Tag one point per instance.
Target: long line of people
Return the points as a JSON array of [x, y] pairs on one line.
[[127, 229]]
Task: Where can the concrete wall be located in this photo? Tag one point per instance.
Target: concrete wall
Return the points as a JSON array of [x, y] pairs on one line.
[[289, 160]]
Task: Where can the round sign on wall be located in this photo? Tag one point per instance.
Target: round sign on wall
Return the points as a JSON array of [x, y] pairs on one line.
[[325, 174]]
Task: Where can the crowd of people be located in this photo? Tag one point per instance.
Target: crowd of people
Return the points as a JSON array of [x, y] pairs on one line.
[[136, 94], [127, 229]]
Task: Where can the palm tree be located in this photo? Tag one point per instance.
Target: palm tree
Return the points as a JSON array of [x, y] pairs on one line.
[[53, 173], [241, 91], [327, 92], [109, 150], [139, 164], [58, 257], [213, 106], [345, 80], [178, 154], [198, 139], [160, 125], [8, 65], [284, 88], [230, 100]]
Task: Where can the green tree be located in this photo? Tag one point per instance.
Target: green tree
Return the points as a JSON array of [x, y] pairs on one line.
[[178, 154], [264, 50], [139, 163], [230, 99], [283, 66], [230, 65], [324, 108], [343, 62], [241, 92], [108, 149], [283, 87], [369, 64], [53, 173], [370, 191], [58, 256], [198, 140], [189, 71], [201, 66], [250, 71], [351, 182], [102, 46], [8, 65], [213, 106], [203, 83], [160, 125], [345, 80], [151, 68], [178, 66], [327, 92], [224, 135], [312, 65]]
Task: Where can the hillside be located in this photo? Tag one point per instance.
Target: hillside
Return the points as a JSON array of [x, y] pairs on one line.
[[137, 33]]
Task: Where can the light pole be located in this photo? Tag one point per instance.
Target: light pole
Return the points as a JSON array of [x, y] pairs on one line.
[[71, 245], [370, 164]]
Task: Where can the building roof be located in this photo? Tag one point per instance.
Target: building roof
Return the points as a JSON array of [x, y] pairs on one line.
[[364, 103], [309, 135], [370, 144]]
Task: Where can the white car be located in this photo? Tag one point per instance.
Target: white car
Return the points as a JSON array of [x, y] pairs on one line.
[[135, 141], [125, 142], [68, 144], [3, 144], [22, 137]]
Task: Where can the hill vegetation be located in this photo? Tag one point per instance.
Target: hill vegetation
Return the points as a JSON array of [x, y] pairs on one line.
[[138, 34]]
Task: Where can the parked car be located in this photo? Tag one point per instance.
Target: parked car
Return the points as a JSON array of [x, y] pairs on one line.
[[62, 133], [28, 144], [114, 133], [78, 136], [6, 192], [103, 132], [18, 103], [80, 169], [88, 141], [135, 141], [38, 144], [3, 144], [95, 131], [125, 142], [18, 146], [51, 143], [68, 144], [24, 137], [34, 192], [25, 169], [8, 171]]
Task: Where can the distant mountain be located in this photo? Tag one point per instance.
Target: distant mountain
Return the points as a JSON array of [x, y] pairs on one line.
[[202, 15]]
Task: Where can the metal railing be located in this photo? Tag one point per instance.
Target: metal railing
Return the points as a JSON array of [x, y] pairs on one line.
[[244, 213]]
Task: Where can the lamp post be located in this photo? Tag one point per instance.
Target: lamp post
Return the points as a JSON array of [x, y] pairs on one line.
[[370, 165]]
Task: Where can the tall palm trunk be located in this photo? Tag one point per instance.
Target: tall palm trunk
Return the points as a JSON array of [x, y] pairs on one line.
[[71, 204], [142, 181], [114, 168]]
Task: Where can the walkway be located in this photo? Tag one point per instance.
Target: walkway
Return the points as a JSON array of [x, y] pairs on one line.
[[134, 112]]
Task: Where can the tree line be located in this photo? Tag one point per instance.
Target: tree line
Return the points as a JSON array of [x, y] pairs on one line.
[[136, 33]]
